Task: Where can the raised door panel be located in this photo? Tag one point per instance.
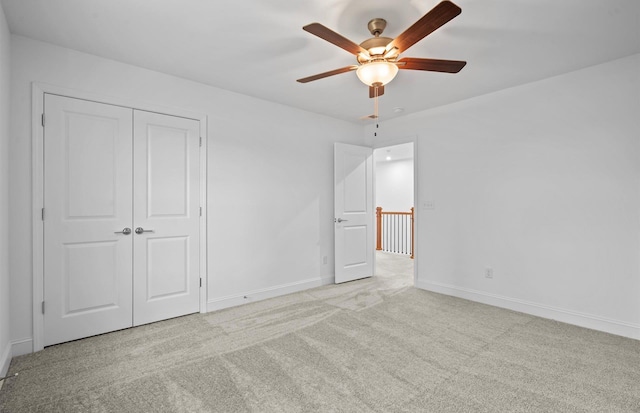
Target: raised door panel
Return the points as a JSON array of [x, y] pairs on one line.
[[355, 245], [354, 170], [90, 277], [91, 145], [167, 171], [167, 268]]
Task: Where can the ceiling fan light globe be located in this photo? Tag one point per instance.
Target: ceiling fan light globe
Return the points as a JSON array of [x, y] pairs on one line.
[[376, 72]]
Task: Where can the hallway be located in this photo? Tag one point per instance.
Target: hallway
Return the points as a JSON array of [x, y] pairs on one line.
[[396, 267]]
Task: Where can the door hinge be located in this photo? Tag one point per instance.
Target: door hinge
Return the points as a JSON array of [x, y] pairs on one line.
[[43, 120], [201, 141], [42, 213], [43, 307], [200, 211], [200, 282]]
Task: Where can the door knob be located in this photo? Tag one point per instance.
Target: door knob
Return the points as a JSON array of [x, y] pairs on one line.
[[125, 231], [341, 220], [140, 230]]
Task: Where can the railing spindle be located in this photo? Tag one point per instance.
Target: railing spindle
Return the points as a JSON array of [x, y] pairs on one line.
[[412, 232]]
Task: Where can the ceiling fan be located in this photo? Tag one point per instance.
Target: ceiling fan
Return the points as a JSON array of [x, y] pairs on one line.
[[378, 57]]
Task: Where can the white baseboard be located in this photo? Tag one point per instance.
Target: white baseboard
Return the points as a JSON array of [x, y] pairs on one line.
[[5, 360], [590, 321], [262, 294], [22, 346]]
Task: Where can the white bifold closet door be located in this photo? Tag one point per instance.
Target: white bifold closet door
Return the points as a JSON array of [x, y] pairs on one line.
[[121, 218]]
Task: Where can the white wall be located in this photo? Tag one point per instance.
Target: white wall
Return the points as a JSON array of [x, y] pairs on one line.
[[394, 185], [270, 192], [5, 347], [542, 183]]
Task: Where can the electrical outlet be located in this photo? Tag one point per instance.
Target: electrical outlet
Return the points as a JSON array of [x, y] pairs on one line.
[[488, 272], [324, 260]]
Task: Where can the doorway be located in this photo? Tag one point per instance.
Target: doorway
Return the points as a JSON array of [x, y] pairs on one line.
[[394, 201]]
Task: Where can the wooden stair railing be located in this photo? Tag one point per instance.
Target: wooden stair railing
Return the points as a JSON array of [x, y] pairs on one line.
[[394, 233]]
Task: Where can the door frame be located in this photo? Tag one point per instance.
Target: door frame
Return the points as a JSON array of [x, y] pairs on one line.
[[38, 91], [416, 195]]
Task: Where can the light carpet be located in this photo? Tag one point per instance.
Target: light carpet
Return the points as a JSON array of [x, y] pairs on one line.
[[374, 345]]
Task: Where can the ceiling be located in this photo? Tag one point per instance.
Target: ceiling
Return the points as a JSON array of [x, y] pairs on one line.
[[258, 47]]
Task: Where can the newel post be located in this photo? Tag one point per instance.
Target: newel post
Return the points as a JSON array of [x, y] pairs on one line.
[[412, 232], [378, 228]]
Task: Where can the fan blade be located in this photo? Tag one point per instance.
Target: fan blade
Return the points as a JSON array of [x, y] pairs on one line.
[[327, 74], [332, 37], [429, 23], [431, 65], [372, 91]]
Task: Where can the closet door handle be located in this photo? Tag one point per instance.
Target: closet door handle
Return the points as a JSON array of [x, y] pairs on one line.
[[140, 230], [125, 231]]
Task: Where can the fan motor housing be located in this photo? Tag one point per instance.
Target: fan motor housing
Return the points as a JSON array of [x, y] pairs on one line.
[[379, 43]]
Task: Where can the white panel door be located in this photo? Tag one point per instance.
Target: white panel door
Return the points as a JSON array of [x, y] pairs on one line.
[[87, 201], [353, 208], [167, 208]]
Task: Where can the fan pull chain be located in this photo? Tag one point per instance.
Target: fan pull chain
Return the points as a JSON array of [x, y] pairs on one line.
[[375, 108]]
